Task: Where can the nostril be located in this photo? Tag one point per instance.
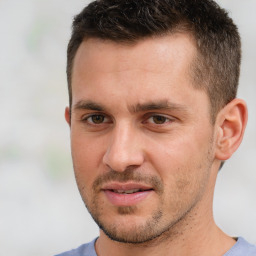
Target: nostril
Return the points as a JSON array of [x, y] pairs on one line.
[[123, 161]]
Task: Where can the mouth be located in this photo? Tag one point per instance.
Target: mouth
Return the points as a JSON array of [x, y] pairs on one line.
[[126, 194], [131, 191]]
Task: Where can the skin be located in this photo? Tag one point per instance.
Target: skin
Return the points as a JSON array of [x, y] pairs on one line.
[[137, 120]]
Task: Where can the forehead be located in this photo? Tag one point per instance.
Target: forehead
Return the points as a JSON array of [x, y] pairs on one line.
[[150, 70], [150, 54]]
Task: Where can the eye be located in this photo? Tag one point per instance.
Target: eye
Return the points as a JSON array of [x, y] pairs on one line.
[[158, 119], [96, 119]]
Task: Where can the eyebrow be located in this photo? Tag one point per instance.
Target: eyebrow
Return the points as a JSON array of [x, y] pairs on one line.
[[148, 106], [88, 105], [158, 105]]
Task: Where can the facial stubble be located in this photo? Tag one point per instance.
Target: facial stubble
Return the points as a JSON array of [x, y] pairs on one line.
[[143, 233], [138, 233]]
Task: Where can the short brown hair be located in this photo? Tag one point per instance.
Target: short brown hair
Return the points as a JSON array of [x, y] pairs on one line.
[[217, 66]]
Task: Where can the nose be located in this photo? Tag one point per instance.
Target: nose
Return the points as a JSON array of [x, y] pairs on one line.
[[124, 149]]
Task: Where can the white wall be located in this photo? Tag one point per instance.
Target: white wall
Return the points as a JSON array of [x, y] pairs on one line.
[[41, 212]]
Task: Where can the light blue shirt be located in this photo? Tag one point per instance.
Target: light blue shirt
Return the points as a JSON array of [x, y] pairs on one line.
[[241, 248]]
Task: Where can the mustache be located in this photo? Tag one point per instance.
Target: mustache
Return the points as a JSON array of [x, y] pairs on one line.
[[128, 175]]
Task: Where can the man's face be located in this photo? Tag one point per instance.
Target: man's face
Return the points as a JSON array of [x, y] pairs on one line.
[[141, 136]]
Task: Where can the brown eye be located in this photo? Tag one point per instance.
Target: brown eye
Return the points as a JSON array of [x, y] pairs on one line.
[[159, 119], [96, 119]]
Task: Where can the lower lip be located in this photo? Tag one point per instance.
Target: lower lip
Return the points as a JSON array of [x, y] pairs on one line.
[[126, 199]]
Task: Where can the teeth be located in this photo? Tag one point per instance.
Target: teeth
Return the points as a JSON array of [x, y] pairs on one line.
[[119, 191]]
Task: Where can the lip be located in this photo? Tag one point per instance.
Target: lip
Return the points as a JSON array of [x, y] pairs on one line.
[[125, 186], [119, 199]]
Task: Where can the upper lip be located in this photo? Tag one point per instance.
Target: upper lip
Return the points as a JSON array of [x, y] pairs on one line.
[[125, 186]]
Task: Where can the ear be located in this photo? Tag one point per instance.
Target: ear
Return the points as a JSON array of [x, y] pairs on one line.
[[67, 116], [231, 122]]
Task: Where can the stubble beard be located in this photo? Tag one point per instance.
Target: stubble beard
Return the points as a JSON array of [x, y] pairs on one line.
[[135, 233], [156, 228], [149, 233]]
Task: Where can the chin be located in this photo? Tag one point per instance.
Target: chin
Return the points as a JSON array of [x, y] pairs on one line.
[[126, 227]]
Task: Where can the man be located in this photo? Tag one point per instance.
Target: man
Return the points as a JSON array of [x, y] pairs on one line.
[[153, 116]]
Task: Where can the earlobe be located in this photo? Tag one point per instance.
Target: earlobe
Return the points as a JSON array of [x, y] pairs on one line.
[[231, 122], [67, 115]]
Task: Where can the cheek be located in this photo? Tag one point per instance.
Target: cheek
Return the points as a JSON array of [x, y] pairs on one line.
[[86, 156], [184, 144], [171, 153], [182, 162]]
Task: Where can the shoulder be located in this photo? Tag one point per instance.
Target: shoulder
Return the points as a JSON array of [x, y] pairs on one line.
[[242, 248], [83, 250]]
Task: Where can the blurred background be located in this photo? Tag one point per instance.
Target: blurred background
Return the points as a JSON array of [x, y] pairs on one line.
[[41, 212]]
